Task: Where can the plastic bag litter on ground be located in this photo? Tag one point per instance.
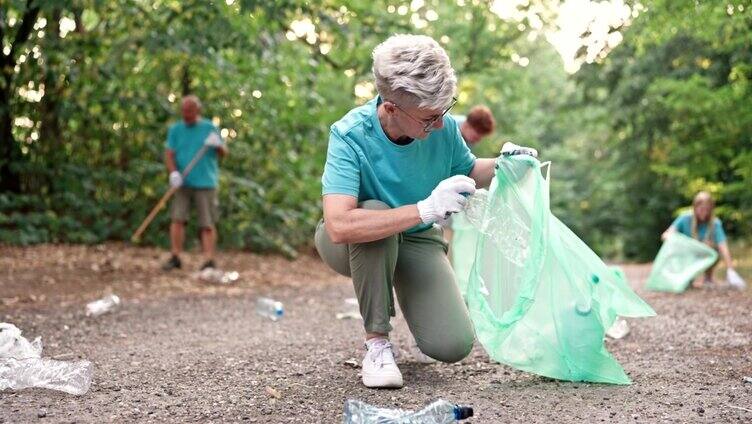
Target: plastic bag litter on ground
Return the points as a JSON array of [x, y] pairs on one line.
[[21, 366], [679, 261], [540, 299]]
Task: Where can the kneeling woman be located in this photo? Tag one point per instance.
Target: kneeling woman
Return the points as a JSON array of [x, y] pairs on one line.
[[701, 224], [394, 167]]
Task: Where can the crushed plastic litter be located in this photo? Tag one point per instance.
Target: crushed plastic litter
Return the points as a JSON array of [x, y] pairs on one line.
[[619, 329], [102, 306], [351, 310], [22, 366], [217, 276], [438, 412]]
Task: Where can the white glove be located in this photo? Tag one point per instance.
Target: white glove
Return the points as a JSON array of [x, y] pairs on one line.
[[213, 140], [446, 199], [509, 149], [176, 180], [735, 280]]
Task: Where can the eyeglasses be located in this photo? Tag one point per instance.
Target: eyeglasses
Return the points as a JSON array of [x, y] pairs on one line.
[[428, 124]]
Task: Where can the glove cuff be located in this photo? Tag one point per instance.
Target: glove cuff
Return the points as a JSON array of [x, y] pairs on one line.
[[427, 211]]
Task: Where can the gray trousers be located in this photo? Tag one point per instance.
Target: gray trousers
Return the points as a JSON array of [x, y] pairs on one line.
[[416, 265]]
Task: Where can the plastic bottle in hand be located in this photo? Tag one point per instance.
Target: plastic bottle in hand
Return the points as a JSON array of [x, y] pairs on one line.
[[102, 306], [439, 412], [269, 308]]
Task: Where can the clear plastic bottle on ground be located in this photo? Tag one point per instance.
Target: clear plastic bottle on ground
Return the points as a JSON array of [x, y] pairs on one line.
[[618, 329], [351, 310], [269, 308], [102, 306], [438, 412], [70, 377], [217, 276]]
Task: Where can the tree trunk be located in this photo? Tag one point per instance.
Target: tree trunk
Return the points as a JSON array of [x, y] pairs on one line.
[[186, 80], [10, 152], [49, 131]]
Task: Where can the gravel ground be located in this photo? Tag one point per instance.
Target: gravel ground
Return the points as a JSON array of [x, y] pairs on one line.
[[179, 350]]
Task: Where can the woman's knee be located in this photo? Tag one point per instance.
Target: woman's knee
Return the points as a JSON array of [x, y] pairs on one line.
[[448, 349], [334, 255]]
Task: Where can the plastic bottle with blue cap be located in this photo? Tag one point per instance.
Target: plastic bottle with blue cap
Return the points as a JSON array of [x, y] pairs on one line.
[[269, 308], [438, 412]]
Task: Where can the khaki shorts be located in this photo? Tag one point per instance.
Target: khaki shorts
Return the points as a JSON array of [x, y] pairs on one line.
[[206, 202]]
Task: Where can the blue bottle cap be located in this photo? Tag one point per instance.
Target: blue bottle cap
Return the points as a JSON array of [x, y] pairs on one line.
[[462, 412]]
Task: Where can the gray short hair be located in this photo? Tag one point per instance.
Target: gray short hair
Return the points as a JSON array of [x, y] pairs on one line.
[[414, 69]]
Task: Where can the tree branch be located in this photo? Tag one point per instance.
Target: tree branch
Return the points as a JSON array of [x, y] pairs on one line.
[[2, 33], [24, 31]]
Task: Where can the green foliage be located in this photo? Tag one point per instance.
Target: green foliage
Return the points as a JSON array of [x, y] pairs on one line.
[[92, 145], [666, 114], [632, 137]]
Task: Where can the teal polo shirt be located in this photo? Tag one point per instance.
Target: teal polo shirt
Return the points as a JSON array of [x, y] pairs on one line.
[[683, 224], [186, 141]]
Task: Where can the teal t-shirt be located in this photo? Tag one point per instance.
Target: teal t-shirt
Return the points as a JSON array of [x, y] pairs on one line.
[[186, 141], [683, 224], [460, 119], [362, 162]]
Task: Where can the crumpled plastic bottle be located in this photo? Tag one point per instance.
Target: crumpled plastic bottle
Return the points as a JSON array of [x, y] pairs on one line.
[[438, 412], [102, 306], [351, 310], [217, 276], [508, 232], [619, 329], [21, 366]]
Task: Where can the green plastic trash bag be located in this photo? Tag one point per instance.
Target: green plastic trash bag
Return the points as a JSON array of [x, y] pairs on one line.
[[679, 261], [618, 272], [539, 298], [464, 240]]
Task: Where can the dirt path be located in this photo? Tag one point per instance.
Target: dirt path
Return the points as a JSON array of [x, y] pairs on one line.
[[180, 351]]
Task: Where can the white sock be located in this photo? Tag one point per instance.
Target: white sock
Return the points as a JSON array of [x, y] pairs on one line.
[[376, 340]]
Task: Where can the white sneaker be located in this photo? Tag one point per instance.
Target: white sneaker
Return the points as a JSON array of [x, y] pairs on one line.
[[379, 368]]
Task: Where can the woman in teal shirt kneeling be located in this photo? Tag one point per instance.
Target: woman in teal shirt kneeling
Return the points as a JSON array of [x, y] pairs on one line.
[[395, 166], [701, 224]]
